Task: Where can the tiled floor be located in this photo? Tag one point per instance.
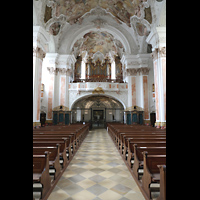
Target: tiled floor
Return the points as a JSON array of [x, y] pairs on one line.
[[96, 172]]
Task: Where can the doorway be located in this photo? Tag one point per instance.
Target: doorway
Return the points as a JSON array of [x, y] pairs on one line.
[[98, 119]]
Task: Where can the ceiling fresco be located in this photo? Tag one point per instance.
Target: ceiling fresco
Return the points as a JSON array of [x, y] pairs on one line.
[[75, 9], [93, 42]]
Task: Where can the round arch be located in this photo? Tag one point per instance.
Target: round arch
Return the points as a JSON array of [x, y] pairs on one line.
[[67, 43], [98, 95]]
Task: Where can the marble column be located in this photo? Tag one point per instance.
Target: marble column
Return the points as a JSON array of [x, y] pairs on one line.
[[50, 65], [145, 72], [159, 60], [38, 55], [157, 38]]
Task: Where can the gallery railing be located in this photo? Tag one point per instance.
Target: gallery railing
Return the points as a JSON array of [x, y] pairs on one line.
[[100, 79]]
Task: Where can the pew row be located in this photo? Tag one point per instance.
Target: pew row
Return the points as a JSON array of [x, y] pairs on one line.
[[134, 141], [41, 172], [61, 143]]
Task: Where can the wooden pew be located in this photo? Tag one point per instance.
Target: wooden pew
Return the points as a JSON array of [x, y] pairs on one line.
[[144, 139], [138, 157], [123, 140], [63, 147], [48, 137], [114, 130], [142, 143], [72, 136], [79, 131], [54, 157], [41, 172], [162, 195], [151, 171]]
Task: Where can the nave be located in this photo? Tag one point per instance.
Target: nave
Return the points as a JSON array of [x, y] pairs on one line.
[[96, 172]]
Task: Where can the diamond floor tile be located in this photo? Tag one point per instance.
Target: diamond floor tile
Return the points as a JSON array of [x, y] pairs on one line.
[[97, 189], [96, 172]]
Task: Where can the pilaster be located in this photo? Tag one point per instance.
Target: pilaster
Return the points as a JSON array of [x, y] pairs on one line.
[[38, 55], [40, 47], [157, 38], [58, 69], [137, 70]]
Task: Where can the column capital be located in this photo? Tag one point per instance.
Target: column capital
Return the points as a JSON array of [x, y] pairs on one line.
[[159, 53], [62, 71], [134, 71], [39, 53]]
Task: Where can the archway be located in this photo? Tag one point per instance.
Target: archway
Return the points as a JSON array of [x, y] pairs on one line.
[[97, 109]]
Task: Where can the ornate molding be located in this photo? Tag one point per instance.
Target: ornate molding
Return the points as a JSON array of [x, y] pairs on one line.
[[62, 71], [134, 109], [60, 108], [159, 53], [52, 70], [39, 53], [98, 90], [134, 71], [99, 23]]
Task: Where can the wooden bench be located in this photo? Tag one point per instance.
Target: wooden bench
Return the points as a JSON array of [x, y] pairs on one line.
[[115, 135], [162, 195], [123, 140], [41, 172], [151, 173], [69, 150], [68, 138], [72, 136], [141, 143], [63, 148], [54, 157], [133, 141], [138, 157], [79, 131]]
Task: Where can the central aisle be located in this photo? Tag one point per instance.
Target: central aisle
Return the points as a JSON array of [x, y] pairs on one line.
[[96, 172]]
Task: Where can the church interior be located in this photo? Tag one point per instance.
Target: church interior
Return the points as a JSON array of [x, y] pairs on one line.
[[99, 70]]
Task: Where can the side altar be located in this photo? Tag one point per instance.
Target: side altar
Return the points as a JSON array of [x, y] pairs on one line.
[[61, 115]]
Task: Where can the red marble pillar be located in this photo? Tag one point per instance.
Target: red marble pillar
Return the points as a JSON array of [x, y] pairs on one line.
[[133, 88], [50, 97]]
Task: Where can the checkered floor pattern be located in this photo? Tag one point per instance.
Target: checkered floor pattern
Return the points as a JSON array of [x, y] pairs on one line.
[[97, 172]]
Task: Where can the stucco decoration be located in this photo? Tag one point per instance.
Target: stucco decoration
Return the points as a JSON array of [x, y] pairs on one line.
[[75, 9], [54, 28]]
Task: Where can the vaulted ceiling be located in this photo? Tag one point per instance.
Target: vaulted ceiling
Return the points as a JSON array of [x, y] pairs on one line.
[[75, 9], [120, 26]]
